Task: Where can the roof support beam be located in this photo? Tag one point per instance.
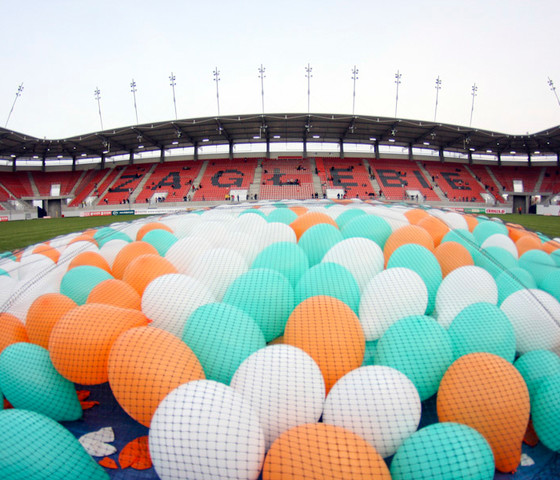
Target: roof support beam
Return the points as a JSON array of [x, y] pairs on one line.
[[376, 149], [223, 131], [142, 135], [410, 155], [341, 143], [231, 149], [441, 157]]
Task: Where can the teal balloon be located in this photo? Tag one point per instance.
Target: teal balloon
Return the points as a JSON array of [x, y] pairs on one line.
[[535, 366], [329, 279], [420, 348], [222, 336], [444, 450], [369, 355], [482, 327], [35, 447], [348, 215], [160, 239], [267, 296], [551, 284], [373, 227], [281, 215], [465, 238], [495, 260], [254, 211], [539, 264], [9, 255], [78, 282], [555, 255], [509, 281], [545, 411], [486, 229], [3, 272], [318, 240], [30, 381], [424, 263], [285, 257], [106, 234]]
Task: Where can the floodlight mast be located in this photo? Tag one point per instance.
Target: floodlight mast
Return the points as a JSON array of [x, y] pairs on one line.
[[97, 94], [216, 74], [308, 75], [473, 93], [261, 76], [398, 77], [18, 94], [553, 88], [133, 89], [354, 78], [172, 80], [438, 88]]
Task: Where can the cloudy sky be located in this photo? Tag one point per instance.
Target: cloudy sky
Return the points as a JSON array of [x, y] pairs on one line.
[[63, 49]]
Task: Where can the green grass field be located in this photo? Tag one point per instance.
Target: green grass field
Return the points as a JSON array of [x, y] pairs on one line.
[[19, 234]]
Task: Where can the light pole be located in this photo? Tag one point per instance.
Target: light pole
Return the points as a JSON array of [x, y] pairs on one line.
[[308, 75], [438, 88], [172, 80], [261, 76], [18, 94], [552, 87], [133, 89], [473, 93], [398, 76], [354, 78], [217, 79], [97, 94]]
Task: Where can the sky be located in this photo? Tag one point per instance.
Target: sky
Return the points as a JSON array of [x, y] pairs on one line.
[[62, 50]]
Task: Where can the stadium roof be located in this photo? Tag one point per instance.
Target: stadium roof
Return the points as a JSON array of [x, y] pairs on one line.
[[280, 128]]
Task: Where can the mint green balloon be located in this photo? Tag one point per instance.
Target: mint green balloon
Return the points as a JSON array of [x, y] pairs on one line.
[[30, 381], [465, 238], [369, 355], [373, 227], [282, 215], [551, 284], [539, 264], [35, 447], [222, 336], [555, 255], [486, 229], [78, 282], [267, 296], [495, 260], [420, 348], [318, 240], [424, 263], [329, 279], [3, 272], [106, 234], [482, 327], [348, 215], [9, 255], [254, 211], [443, 451], [161, 239], [545, 411], [285, 257], [509, 281], [535, 366]]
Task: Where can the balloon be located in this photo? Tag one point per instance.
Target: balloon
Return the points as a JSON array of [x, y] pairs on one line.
[[526, 243], [487, 393], [282, 215], [502, 241], [204, 429], [74, 248], [418, 347], [369, 355], [330, 332], [414, 215], [35, 447], [534, 315], [546, 412], [372, 227], [455, 221], [284, 257], [48, 251], [111, 249], [320, 451], [378, 403], [482, 327], [511, 280], [317, 240], [266, 296], [148, 227], [33, 264], [444, 450], [329, 279], [405, 235], [115, 292], [108, 234], [488, 228], [222, 336], [183, 252], [348, 215], [284, 387], [462, 287], [78, 282], [12, 330], [391, 295], [539, 264], [435, 227], [129, 253], [93, 259], [551, 284], [452, 255], [162, 240], [144, 269], [495, 260], [362, 257], [43, 314], [271, 233], [81, 340], [535, 366], [145, 364], [307, 220], [465, 238], [29, 381]]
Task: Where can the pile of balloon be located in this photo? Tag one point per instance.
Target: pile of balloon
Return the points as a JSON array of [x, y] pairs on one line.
[[284, 340]]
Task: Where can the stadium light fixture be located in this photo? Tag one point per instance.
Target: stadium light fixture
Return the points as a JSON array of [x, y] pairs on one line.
[[398, 77], [262, 76], [438, 88], [172, 79], [308, 75], [473, 93], [553, 88], [354, 78], [18, 94], [97, 94], [133, 89], [216, 74]]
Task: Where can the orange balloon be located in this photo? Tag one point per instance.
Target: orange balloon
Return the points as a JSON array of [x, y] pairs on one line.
[[145, 364], [148, 227], [81, 340], [472, 222], [115, 292], [415, 215], [128, 253], [550, 246], [12, 330], [93, 259], [487, 393], [309, 219], [144, 269], [317, 451], [330, 332], [299, 210], [84, 237], [528, 242], [47, 251], [452, 255], [43, 314], [405, 235], [435, 227], [277, 341], [515, 232]]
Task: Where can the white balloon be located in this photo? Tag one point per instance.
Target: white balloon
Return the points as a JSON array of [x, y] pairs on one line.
[[378, 403], [110, 250], [26, 292], [389, 296], [10, 266], [535, 316], [502, 241], [362, 257], [74, 249], [214, 233], [205, 430], [183, 252], [183, 225], [455, 221], [7, 286], [33, 265], [170, 299], [248, 223], [283, 385], [393, 216], [275, 232]]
